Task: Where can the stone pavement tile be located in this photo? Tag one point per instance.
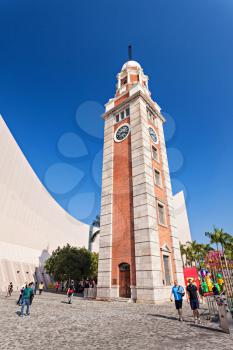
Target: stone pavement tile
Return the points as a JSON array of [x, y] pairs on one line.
[[53, 324]]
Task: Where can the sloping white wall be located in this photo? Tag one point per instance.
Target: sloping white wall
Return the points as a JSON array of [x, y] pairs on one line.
[[181, 218], [31, 221]]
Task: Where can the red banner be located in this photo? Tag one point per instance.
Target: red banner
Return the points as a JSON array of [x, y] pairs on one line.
[[191, 272]]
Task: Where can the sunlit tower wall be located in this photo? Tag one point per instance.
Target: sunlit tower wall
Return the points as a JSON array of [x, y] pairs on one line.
[[139, 255]]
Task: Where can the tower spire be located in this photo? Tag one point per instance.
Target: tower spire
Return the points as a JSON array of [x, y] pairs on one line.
[[130, 52]]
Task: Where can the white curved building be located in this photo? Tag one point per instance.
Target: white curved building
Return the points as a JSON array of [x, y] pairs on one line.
[[32, 223]]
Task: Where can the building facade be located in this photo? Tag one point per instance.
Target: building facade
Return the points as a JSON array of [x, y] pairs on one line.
[[139, 255], [32, 224], [181, 218]]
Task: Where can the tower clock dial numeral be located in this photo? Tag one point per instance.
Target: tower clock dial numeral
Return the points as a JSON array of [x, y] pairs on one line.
[[122, 132], [153, 135]]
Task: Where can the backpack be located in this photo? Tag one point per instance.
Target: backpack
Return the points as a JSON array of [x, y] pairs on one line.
[[181, 291], [70, 292]]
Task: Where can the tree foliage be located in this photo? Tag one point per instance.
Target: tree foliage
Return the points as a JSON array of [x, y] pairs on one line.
[[72, 262], [194, 253], [94, 265], [219, 237]]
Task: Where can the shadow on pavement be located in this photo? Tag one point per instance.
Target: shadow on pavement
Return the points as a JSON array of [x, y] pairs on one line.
[[65, 302], [207, 328], [164, 316], [191, 324]]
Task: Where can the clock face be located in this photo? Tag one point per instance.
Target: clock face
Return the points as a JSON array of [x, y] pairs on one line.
[[122, 132], [153, 135]]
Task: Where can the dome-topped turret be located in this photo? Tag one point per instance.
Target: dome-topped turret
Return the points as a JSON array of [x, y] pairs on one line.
[[131, 64], [130, 76]]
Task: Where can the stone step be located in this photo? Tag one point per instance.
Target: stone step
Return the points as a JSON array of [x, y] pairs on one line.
[[122, 300], [118, 299]]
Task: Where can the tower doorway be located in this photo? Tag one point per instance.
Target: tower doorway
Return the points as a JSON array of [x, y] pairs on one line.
[[124, 281]]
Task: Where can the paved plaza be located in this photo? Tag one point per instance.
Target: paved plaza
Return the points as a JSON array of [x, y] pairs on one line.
[[53, 324]]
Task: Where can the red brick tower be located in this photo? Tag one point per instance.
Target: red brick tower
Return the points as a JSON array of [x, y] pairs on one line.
[[139, 254]]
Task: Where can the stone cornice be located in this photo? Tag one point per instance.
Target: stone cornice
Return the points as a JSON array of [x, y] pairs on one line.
[[131, 98]]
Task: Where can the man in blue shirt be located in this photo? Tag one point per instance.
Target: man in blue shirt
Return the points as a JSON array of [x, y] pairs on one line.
[[178, 293], [26, 297]]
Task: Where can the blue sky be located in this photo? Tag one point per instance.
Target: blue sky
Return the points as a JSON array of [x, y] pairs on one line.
[[58, 62]]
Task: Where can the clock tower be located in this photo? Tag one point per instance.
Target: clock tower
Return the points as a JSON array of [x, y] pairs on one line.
[[139, 255]]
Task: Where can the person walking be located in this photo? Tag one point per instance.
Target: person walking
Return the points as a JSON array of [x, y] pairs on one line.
[[81, 286], [193, 298], [33, 288], [57, 286], [27, 293], [36, 287], [86, 288], [178, 293], [20, 296], [70, 293], [33, 293], [72, 284], [41, 287], [9, 290], [94, 288]]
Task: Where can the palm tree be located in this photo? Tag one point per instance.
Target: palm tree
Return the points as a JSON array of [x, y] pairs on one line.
[[204, 250], [229, 247], [228, 243], [217, 237], [196, 253], [187, 254], [190, 254]]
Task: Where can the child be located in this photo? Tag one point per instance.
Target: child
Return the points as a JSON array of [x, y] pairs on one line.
[[41, 287], [57, 286], [70, 293]]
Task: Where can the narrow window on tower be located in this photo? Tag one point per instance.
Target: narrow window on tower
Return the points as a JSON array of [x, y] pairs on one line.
[[155, 121], [167, 270], [124, 81], [161, 214], [155, 154], [149, 115], [158, 180], [127, 112], [122, 115], [117, 118]]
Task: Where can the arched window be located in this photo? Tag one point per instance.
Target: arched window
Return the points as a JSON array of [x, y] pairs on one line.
[[124, 267]]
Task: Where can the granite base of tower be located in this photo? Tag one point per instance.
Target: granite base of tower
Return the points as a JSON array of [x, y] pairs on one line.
[[138, 295]]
